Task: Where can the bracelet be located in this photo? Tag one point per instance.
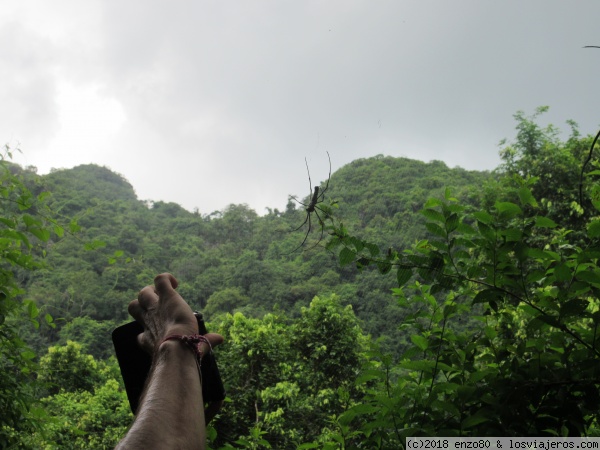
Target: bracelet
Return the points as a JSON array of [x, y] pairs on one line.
[[193, 341]]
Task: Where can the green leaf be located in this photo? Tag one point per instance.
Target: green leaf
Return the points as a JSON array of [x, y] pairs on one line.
[[10, 223], [60, 231], [346, 256], [32, 309], [490, 332], [403, 275], [423, 364], [486, 296], [535, 276], [432, 202], [486, 231], [483, 216], [94, 245], [420, 341], [370, 374], [28, 354], [449, 310], [373, 249], [363, 408], [474, 420], [74, 226], [574, 307], [308, 445], [434, 228], [452, 222], [512, 234], [363, 262], [544, 222], [550, 320], [526, 196], [594, 229], [589, 276], [43, 195], [508, 210], [562, 273], [465, 229], [433, 214], [384, 267], [41, 233], [30, 221], [356, 243], [445, 406], [448, 195]]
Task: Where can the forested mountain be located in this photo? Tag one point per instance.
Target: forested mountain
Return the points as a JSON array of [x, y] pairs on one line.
[[230, 260], [425, 301]]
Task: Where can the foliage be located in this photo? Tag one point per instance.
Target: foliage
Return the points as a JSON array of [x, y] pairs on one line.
[[123, 242], [86, 406], [551, 166], [86, 419], [91, 334], [530, 367], [286, 379], [24, 229], [66, 368], [491, 329]]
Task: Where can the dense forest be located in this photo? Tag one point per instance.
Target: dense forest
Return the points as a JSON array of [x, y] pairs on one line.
[[426, 300]]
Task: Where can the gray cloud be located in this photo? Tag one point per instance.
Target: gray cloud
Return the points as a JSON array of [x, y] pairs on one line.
[[28, 87], [224, 101]]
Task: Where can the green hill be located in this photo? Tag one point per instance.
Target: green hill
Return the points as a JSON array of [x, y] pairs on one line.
[[233, 259]]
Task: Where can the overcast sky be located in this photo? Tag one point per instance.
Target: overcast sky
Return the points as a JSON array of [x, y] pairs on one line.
[[207, 103]]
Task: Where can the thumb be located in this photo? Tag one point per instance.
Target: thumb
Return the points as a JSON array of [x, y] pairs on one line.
[[214, 339]]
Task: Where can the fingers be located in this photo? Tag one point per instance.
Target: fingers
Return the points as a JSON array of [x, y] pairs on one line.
[[165, 283], [135, 310], [147, 298]]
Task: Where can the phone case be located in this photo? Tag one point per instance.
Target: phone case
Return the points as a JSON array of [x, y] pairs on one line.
[[135, 365]]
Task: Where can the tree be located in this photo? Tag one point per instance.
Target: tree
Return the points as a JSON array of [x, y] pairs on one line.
[[84, 419], [226, 301], [67, 368], [285, 380], [550, 166], [25, 226], [529, 363]]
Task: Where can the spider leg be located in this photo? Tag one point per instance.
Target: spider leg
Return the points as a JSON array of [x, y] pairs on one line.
[[321, 221], [302, 224], [322, 195], [308, 171], [325, 212], [322, 231], [298, 201], [306, 235]]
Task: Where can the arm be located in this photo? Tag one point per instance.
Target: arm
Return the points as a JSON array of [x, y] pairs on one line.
[[171, 412]]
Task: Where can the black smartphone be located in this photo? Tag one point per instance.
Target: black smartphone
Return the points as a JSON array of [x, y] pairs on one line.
[[135, 364]]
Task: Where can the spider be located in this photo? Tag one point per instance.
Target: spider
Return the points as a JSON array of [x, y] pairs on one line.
[[317, 196]]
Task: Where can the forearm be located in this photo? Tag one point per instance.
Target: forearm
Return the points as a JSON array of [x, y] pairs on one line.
[[171, 412]]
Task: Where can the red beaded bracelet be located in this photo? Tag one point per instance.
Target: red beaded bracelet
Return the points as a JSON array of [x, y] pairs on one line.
[[193, 341]]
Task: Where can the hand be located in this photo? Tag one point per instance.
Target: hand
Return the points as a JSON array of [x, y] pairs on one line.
[[162, 312], [166, 417]]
